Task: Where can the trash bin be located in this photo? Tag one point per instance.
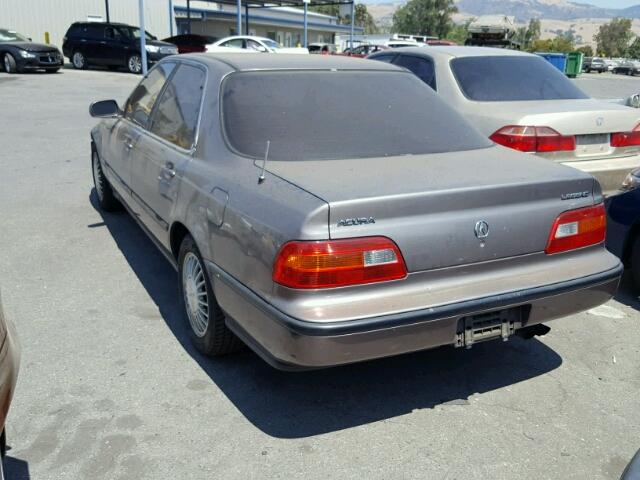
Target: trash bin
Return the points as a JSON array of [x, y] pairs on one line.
[[558, 60], [574, 64]]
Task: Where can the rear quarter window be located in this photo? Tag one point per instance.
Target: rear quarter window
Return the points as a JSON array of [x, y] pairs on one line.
[[512, 78]]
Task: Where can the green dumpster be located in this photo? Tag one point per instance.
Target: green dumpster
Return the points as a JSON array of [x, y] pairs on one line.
[[574, 64]]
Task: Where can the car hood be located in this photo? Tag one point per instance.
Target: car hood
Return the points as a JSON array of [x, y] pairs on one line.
[[33, 47], [159, 43]]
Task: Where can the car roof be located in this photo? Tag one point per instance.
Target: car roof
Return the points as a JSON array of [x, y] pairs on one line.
[[456, 51], [277, 61], [102, 24]]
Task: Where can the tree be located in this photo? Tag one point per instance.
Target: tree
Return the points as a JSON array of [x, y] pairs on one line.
[[613, 38], [558, 44], [525, 36], [425, 17], [459, 33], [586, 50], [634, 49], [363, 18]]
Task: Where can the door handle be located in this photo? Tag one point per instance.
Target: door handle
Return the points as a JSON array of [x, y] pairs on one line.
[[167, 172], [128, 142]]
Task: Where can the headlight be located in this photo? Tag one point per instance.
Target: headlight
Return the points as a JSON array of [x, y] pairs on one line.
[[25, 54], [169, 50], [152, 48], [631, 181]]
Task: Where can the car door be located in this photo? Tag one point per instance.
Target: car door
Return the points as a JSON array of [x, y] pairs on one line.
[[422, 67], [163, 153], [127, 131], [110, 48], [90, 42]]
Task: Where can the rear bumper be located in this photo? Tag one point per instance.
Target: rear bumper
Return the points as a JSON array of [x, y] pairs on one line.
[[289, 343]]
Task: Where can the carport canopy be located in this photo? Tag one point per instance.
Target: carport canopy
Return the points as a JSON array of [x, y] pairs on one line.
[[248, 4]]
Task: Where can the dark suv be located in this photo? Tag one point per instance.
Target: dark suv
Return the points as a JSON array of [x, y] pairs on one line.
[[111, 44]]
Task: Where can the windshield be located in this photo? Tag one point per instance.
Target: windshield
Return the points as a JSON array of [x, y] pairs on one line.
[[11, 36], [512, 78], [134, 32], [270, 43], [318, 115]]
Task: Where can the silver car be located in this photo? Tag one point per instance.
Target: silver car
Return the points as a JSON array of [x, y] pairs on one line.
[[328, 210], [521, 101]]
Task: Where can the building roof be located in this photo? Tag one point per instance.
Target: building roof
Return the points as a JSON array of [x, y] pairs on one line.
[[283, 61]]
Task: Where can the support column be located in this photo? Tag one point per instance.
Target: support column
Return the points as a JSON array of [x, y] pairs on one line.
[[143, 39], [239, 19], [106, 9], [353, 19], [188, 16], [246, 19], [171, 19], [306, 8]]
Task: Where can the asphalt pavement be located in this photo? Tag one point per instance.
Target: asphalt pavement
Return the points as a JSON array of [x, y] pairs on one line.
[[111, 388]]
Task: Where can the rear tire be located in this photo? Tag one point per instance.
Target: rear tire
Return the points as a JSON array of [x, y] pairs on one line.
[[3, 443], [209, 333], [134, 64], [78, 60], [9, 62], [106, 198], [635, 262]]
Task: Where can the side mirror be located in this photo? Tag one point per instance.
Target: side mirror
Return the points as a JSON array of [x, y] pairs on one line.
[[105, 109]]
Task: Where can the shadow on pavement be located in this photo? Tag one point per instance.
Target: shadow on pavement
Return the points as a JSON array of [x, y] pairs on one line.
[[294, 405], [627, 292], [15, 469]]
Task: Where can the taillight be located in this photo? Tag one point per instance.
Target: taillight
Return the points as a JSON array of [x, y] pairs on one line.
[[626, 139], [338, 263], [577, 228], [533, 139]]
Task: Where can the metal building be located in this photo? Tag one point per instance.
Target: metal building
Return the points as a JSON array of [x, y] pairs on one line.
[[165, 17]]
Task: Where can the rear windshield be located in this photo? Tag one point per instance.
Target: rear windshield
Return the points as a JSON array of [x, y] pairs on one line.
[[315, 115], [512, 78]]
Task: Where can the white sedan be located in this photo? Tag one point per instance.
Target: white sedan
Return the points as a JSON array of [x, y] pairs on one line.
[[251, 44]]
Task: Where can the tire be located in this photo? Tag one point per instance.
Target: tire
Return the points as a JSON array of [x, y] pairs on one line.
[[78, 60], [635, 262], [104, 193], [209, 333], [3, 443], [9, 63], [134, 64]]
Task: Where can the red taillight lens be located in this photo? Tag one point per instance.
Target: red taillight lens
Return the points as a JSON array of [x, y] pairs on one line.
[[338, 263], [533, 139], [577, 228], [626, 139]]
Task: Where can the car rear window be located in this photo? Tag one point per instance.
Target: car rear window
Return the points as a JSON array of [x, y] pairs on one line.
[[512, 78], [314, 115]]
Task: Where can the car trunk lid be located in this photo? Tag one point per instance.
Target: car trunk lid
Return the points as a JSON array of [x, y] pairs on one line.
[[432, 206]]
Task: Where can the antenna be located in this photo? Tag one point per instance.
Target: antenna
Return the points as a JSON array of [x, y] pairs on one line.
[[264, 162]]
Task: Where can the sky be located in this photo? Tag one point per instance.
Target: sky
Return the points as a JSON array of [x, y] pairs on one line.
[[612, 3]]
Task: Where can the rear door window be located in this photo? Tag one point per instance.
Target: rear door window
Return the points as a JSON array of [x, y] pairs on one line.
[[421, 67], [176, 117], [511, 78], [141, 102], [235, 43]]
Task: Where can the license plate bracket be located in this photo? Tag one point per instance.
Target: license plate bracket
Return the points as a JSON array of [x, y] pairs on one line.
[[488, 326], [597, 143]]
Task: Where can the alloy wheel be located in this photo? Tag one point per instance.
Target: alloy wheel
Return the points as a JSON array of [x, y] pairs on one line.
[[78, 60], [196, 299], [97, 177], [135, 64]]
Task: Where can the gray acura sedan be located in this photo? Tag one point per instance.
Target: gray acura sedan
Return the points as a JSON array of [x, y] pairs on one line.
[[328, 210]]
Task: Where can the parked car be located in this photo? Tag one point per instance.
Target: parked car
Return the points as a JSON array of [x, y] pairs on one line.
[[411, 232], [521, 101], [20, 54], [628, 67], [9, 366], [632, 471], [322, 48], [595, 65], [623, 229], [113, 45], [251, 44], [191, 43], [363, 50]]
